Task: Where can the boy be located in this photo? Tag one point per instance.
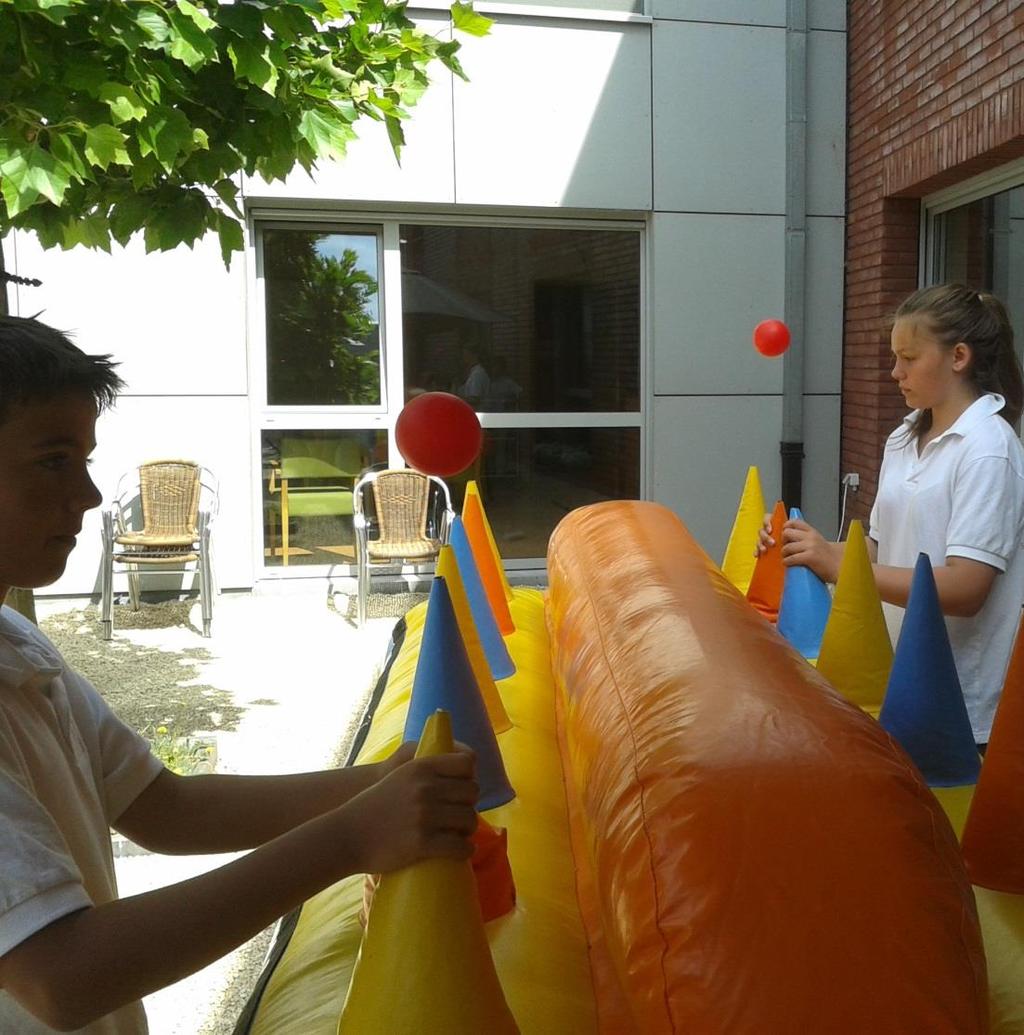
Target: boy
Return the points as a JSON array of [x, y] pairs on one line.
[[72, 955]]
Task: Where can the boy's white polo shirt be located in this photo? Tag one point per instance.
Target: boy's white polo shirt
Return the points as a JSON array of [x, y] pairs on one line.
[[68, 769], [962, 497]]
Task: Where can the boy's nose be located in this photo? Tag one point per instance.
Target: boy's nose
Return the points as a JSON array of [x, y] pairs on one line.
[[89, 497]]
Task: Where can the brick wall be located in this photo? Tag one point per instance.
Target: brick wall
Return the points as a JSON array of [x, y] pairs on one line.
[[936, 95]]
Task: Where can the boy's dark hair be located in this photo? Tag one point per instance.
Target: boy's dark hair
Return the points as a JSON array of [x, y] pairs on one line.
[[38, 363], [955, 313]]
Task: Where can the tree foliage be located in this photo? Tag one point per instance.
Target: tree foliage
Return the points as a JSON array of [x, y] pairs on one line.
[[119, 116]]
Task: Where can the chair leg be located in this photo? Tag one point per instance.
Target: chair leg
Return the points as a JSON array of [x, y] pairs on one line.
[[107, 597], [363, 574], [107, 578], [133, 586], [205, 593]]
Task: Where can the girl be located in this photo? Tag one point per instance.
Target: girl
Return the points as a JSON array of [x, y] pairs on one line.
[[951, 485]]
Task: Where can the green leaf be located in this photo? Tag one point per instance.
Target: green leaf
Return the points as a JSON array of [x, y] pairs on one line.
[[92, 232], [465, 19], [153, 24], [328, 137], [229, 231], [129, 215], [252, 64], [202, 20], [105, 145], [124, 103], [190, 44], [396, 135], [18, 194], [64, 148], [165, 134], [227, 191]]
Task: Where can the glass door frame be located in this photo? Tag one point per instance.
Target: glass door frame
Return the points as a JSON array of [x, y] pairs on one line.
[[386, 224]]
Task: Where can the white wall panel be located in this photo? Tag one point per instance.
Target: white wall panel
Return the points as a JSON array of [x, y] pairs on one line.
[[823, 354], [174, 320], [369, 171], [556, 113], [212, 431], [719, 118], [826, 123], [714, 279], [827, 14]]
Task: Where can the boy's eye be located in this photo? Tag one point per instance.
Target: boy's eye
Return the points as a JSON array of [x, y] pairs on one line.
[[54, 463]]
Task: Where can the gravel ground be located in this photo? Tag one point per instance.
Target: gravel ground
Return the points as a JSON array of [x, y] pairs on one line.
[[159, 671]]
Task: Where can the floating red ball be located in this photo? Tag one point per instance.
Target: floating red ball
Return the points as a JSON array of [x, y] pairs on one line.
[[438, 433], [771, 337]]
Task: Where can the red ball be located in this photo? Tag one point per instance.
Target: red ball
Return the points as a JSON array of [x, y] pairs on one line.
[[438, 433], [771, 337]]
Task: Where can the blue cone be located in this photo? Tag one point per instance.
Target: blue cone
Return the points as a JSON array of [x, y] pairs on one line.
[[924, 706], [498, 657], [804, 608], [444, 679]]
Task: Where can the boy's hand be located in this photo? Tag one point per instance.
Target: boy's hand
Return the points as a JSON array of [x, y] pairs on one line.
[[421, 808]]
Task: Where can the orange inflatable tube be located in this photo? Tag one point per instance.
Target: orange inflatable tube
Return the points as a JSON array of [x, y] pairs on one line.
[[753, 853]]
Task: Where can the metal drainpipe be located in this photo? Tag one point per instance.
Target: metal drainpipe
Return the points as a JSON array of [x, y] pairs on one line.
[[792, 445]]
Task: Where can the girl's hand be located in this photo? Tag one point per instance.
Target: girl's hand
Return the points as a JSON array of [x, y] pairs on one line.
[[764, 536], [804, 545]]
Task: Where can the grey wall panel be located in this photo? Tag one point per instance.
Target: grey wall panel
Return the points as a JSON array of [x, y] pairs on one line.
[[557, 113], [701, 449], [827, 14], [736, 12], [719, 118], [821, 463], [823, 356], [826, 123], [714, 279]]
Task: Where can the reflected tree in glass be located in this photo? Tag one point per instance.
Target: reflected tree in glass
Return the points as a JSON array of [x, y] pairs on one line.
[[323, 341]]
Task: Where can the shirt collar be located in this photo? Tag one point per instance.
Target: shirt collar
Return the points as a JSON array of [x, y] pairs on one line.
[[984, 406], [27, 659]]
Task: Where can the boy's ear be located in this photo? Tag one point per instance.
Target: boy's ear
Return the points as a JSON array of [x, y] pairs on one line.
[[962, 356]]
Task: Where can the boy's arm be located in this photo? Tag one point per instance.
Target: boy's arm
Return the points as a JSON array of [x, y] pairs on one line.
[[89, 963], [221, 813]]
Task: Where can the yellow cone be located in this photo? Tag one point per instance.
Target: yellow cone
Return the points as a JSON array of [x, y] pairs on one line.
[[448, 569], [856, 653], [739, 560], [424, 965], [472, 490]]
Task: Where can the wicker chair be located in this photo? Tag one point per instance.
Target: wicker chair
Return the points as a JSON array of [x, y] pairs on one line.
[[177, 501], [400, 515]]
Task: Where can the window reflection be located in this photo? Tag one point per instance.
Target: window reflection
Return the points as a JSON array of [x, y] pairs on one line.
[[533, 320], [308, 477], [982, 245], [531, 478], [323, 333]]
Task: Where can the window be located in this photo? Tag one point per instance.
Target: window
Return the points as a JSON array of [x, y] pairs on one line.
[[537, 327], [980, 242]]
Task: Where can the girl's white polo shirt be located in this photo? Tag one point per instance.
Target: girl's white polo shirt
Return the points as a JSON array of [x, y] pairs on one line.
[[963, 496]]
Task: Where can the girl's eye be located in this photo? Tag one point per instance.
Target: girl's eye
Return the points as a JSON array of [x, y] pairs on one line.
[[53, 463]]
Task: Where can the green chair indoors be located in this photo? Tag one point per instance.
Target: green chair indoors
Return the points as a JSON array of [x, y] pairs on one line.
[[314, 478]]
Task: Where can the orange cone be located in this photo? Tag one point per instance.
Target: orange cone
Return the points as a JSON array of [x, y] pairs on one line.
[[993, 841], [765, 592], [472, 490], [490, 569]]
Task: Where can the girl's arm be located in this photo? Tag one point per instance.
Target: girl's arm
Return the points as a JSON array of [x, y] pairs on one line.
[[963, 585]]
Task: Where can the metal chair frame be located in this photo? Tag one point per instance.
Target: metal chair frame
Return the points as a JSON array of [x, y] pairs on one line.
[[414, 519], [179, 500]]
